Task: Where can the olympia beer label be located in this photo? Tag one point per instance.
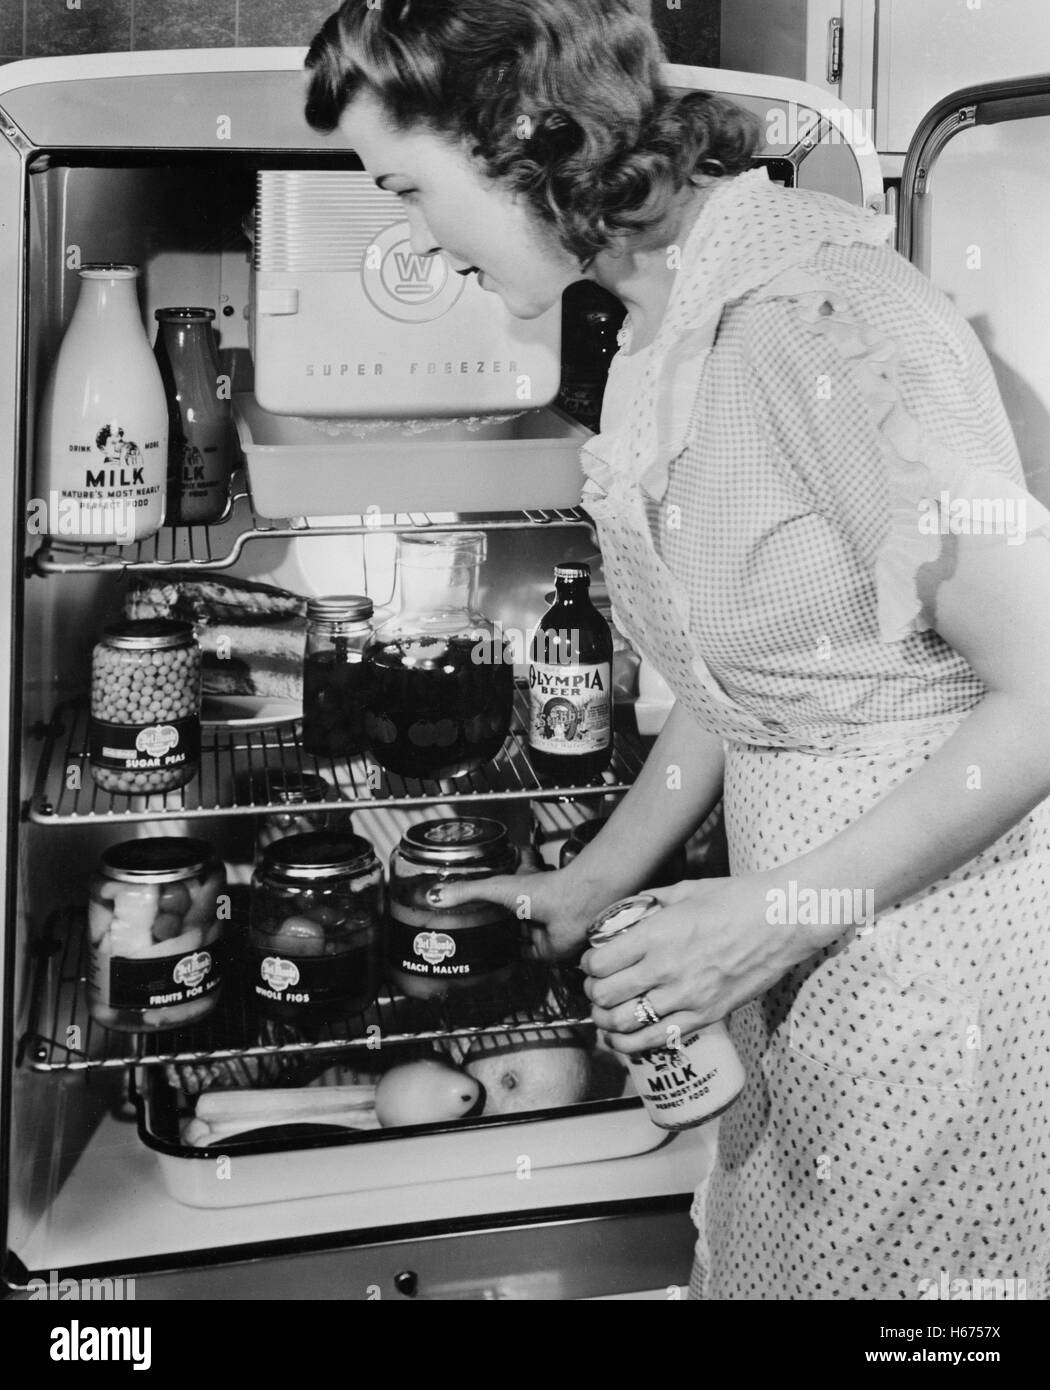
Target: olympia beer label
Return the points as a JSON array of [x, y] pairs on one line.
[[570, 708]]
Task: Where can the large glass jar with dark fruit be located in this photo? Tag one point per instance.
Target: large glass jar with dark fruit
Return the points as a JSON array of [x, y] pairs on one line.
[[434, 953], [440, 683], [338, 630], [316, 902], [157, 909]]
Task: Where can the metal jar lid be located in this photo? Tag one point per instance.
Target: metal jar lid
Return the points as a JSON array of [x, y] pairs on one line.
[[148, 634], [620, 915], [184, 314], [156, 859], [339, 608], [457, 841], [319, 854], [570, 569]]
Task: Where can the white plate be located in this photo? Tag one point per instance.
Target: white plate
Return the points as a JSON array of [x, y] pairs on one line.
[[248, 711]]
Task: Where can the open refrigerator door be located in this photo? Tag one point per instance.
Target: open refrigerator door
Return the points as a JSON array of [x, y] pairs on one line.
[[122, 1157]]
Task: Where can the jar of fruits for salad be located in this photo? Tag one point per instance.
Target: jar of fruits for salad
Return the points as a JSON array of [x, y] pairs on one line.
[[435, 953], [156, 916], [316, 904]]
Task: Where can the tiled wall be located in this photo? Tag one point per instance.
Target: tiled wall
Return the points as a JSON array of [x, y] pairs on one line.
[[44, 28]]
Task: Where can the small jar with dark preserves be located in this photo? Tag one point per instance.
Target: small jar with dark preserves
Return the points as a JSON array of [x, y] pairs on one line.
[[156, 916], [316, 904], [338, 629], [434, 953], [297, 798]]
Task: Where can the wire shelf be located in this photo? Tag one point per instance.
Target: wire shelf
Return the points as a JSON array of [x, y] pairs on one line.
[[236, 764], [62, 1036], [219, 546]]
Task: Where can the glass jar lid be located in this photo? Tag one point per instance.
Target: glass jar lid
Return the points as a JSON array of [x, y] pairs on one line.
[[316, 855], [108, 270], [289, 788], [453, 840], [148, 634], [184, 314], [339, 608], [156, 859], [441, 549]]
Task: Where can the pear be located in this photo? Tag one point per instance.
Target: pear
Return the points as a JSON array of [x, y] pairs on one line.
[[530, 1071], [425, 1092]]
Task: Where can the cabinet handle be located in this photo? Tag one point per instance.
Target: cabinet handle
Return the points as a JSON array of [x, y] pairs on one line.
[[407, 1283], [834, 50]]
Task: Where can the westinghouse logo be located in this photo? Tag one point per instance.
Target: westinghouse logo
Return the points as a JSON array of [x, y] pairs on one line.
[[404, 285]]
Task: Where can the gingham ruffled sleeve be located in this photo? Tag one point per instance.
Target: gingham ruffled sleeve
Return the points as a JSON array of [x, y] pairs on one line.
[[899, 441]]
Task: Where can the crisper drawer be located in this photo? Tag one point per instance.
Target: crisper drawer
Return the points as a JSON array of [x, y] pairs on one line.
[[622, 1248]]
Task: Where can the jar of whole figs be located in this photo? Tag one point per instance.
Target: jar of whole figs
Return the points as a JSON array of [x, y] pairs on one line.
[[144, 734], [157, 909], [433, 952], [297, 798], [316, 905]]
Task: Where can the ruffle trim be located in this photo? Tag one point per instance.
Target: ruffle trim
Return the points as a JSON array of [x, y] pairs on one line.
[[924, 476]]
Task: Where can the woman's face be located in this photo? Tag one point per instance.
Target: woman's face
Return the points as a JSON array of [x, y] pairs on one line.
[[451, 206]]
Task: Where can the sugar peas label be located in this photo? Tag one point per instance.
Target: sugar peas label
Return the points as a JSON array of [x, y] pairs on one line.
[[144, 747], [570, 708]]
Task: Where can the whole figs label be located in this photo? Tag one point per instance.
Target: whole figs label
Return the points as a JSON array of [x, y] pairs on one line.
[[440, 954], [317, 980], [144, 747], [159, 981]]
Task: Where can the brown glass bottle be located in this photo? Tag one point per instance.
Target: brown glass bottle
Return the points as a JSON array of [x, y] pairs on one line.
[[570, 684]]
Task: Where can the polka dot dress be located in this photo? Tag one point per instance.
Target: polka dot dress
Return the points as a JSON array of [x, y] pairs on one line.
[[756, 486]]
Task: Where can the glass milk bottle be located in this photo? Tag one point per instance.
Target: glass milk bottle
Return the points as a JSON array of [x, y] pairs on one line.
[[103, 430], [200, 443]]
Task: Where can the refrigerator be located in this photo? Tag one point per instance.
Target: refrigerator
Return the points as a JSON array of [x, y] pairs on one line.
[[158, 159]]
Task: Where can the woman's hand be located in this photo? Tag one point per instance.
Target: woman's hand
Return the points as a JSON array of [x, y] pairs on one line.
[[707, 951], [553, 903]]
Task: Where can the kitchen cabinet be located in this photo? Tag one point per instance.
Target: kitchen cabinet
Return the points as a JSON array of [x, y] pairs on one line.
[[888, 61]]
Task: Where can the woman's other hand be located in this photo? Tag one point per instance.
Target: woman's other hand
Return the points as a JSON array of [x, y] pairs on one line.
[[553, 904]]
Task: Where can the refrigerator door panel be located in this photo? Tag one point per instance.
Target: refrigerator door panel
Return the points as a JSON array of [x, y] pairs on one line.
[[975, 205]]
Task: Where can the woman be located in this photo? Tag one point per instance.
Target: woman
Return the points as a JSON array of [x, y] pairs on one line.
[[794, 418]]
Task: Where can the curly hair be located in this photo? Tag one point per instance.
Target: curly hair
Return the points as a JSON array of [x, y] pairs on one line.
[[561, 100]]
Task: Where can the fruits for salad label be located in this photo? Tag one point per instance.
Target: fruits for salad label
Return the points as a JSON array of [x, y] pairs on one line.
[[530, 1070], [423, 1092]]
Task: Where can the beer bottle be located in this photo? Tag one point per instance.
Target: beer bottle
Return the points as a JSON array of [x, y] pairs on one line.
[[570, 684]]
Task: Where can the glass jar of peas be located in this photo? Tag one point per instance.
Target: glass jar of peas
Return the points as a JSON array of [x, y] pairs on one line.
[[144, 734]]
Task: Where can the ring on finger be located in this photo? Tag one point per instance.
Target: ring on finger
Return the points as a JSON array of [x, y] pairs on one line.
[[644, 1012]]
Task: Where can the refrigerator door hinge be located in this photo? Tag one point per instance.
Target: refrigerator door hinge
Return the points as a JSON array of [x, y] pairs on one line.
[[834, 73]]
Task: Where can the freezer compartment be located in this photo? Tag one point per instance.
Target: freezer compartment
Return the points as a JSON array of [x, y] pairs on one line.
[[325, 468], [308, 1161]]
